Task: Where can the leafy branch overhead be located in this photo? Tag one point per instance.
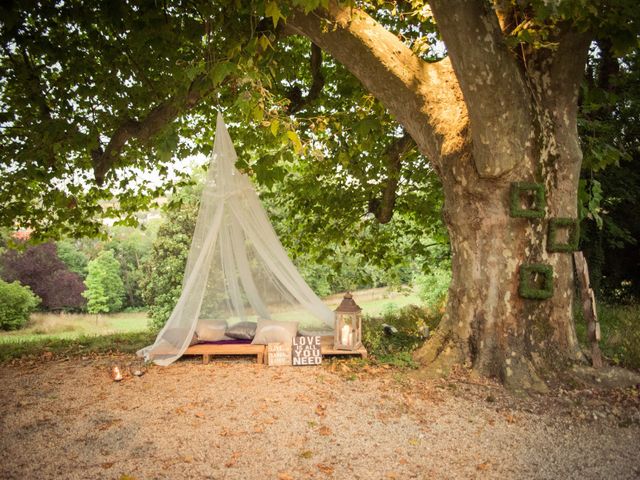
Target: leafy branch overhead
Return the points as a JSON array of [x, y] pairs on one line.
[[94, 92]]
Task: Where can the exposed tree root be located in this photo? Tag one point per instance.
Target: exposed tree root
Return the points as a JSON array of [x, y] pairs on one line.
[[605, 377], [438, 356]]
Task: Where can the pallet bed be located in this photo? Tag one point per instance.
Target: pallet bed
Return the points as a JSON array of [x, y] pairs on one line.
[[208, 350]]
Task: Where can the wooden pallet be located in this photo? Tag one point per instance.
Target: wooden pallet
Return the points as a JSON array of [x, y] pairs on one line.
[[326, 348], [208, 349]]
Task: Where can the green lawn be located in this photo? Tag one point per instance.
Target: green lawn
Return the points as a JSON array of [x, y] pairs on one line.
[[43, 326]]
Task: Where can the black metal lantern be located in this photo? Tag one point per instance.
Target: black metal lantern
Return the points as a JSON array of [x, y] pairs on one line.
[[348, 326]]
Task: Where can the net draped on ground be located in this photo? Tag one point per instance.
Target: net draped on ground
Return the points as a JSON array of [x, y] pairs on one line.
[[237, 269]]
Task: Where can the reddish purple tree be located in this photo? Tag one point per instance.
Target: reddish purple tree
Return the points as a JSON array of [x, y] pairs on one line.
[[40, 268]]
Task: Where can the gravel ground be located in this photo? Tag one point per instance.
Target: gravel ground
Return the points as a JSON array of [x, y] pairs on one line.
[[229, 420]]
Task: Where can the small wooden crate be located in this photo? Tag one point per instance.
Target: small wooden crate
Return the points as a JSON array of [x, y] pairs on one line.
[[326, 347]]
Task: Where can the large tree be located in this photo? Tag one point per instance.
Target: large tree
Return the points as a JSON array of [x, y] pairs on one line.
[[92, 91]]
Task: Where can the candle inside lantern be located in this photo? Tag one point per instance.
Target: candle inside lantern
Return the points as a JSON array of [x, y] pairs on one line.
[[346, 332], [116, 374]]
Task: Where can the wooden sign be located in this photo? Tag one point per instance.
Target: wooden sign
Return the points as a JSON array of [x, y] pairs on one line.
[[306, 350], [278, 354]]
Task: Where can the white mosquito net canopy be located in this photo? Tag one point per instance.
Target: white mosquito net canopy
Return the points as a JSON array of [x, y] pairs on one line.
[[237, 269]]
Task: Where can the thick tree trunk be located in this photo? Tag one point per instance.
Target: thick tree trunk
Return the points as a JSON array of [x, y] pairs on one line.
[[487, 325]]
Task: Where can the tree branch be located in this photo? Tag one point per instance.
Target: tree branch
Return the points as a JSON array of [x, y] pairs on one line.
[[566, 69], [383, 207], [493, 85], [317, 82], [156, 119], [424, 97]]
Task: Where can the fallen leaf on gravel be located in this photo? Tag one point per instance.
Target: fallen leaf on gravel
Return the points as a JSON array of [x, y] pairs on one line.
[[306, 454], [325, 468], [127, 477], [320, 410], [225, 432], [284, 476], [483, 466], [108, 424], [107, 465], [325, 431], [233, 460], [414, 441], [187, 459], [510, 418]]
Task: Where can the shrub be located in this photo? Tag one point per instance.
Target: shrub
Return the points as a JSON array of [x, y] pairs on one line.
[[16, 304], [40, 268], [411, 322], [620, 327]]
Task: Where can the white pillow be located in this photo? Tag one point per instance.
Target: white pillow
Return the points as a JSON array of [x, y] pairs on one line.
[[273, 331], [211, 330]]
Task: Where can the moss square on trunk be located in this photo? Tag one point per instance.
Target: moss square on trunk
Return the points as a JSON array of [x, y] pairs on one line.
[[556, 225], [529, 288], [535, 191]]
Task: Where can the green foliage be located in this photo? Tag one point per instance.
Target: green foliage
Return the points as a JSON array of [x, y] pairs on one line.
[[130, 247], [536, 281], [16, 304], [433, 287], [610, 183], [74, 72], [534, 197], [615, 21], [73, 256], [590, 200], [105, 289], [411, 323], [555, 226]]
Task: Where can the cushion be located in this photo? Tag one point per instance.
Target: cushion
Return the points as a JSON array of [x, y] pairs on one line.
[[242, 330], [274, 331], [231, 341], [322, 332], [211, 330]]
